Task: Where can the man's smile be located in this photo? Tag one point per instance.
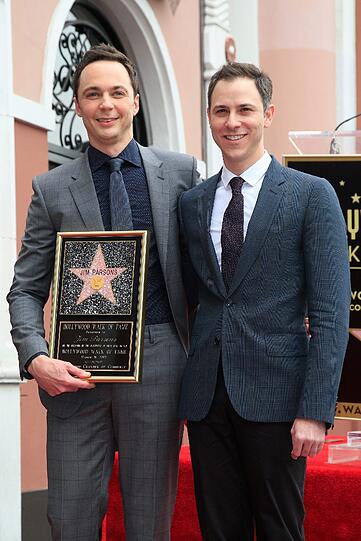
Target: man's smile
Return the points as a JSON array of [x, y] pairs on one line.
[[235, 137], [107, 120]]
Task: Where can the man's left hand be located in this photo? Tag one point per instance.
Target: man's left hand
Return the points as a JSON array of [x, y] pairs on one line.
[[308, 437]]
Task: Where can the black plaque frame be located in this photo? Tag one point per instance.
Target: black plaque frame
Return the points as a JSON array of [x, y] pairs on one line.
[[343, 173], [98, 302]]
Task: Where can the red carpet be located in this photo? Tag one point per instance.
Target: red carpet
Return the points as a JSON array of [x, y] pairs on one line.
[[332, 501]]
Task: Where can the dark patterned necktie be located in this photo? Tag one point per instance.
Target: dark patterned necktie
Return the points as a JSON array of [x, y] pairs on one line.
[[232, 231], [120, 211]]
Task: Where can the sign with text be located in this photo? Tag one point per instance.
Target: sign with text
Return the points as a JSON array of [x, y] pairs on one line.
[[97, 317]]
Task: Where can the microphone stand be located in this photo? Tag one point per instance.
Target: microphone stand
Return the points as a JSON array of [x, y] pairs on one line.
[[334, 147]]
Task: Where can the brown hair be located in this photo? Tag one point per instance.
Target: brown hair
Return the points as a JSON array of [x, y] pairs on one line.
[[233, 70], [105, 52]]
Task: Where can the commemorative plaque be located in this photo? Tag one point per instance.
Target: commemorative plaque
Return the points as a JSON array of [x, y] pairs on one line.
[[97, 316]]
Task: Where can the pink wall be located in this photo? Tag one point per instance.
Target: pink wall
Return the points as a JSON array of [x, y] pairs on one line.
[[31, 158], [30, 21], [298, 49], [182, 34]]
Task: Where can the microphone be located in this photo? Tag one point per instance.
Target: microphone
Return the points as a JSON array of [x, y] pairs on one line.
[[335, 147]]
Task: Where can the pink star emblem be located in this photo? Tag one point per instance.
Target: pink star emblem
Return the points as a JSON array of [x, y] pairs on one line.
[[97, 278]]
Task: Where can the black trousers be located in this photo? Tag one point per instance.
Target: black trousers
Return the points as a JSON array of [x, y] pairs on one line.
[[245, 477]]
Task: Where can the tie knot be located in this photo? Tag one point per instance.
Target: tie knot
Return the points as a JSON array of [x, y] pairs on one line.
[[236, 184], [115, 164]]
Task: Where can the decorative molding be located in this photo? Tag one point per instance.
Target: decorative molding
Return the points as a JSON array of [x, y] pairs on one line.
[[216, 29], [55, 29], [32, 112], [216, 13]]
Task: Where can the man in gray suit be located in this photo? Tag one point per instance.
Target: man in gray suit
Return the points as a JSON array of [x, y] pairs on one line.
[[87, 423], [268, 245]]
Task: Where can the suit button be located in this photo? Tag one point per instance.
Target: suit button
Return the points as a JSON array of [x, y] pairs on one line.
[[216, 341], [229, 303]]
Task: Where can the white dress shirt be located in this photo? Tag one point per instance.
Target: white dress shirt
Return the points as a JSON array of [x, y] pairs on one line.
[[253, 179]]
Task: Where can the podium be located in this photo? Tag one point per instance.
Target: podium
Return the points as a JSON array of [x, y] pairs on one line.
[[336, 156], [326, 142]]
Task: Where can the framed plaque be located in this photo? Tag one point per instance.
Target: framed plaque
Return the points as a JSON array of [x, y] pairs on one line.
[[97, 316]]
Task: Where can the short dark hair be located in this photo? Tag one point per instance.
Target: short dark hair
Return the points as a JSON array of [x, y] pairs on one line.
[[233, 70], [105, 51]]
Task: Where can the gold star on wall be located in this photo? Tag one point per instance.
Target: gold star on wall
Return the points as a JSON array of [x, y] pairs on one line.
[[355, 198], [342, 182]]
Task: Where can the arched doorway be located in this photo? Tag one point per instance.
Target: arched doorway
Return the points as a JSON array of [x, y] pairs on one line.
[[83, 28], [140, 35]]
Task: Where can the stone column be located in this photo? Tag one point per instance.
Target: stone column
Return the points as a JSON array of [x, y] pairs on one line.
[[10, 495]]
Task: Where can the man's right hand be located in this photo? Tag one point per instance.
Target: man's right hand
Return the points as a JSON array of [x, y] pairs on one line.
[[56, 376]]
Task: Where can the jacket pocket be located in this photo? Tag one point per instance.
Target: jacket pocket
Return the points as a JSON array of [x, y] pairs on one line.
[[287, 345]]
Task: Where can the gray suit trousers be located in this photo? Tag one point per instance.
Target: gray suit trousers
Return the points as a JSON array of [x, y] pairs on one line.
[[140, 420]]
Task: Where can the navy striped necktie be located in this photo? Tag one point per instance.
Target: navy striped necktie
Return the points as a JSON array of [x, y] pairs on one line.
[[232, 231], [120, 211]]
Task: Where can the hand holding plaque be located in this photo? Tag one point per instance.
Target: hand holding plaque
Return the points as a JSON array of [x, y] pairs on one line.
[[97, 318]]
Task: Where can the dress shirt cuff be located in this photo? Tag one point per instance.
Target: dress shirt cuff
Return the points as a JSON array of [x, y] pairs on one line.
[[24, 373]]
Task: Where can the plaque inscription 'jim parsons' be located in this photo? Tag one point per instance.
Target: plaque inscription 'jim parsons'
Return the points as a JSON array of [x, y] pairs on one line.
[[98, 303]]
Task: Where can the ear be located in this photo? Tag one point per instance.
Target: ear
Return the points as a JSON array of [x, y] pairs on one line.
[[136, 105], [268, 116], [77, 108], [209, 116]]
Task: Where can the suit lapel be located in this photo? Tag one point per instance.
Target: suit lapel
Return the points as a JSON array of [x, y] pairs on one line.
[[158, 185], [267, 204], [205, 207], [83, 191]]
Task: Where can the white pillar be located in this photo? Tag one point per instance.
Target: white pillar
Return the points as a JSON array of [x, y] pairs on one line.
[[346, 70], [243, 20], [215, 32], [10, 494]]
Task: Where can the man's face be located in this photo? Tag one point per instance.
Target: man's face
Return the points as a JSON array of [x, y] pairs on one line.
[[107, 105], [237, 121]]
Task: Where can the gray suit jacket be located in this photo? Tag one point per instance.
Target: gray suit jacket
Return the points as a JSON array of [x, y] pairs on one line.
[[64, 199], [294, 262]]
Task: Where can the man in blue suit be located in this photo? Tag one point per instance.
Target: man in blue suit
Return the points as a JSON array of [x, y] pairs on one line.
[[268, 246]]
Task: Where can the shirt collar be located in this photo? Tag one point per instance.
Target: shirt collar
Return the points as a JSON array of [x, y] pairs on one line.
[[252, 175], [130, 153]]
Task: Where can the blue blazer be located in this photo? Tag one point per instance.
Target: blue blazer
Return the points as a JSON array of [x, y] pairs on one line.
[[294, 262]]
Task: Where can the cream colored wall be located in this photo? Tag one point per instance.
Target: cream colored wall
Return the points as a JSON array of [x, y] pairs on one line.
[[298, 49], [30, 22], [182, 35]]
